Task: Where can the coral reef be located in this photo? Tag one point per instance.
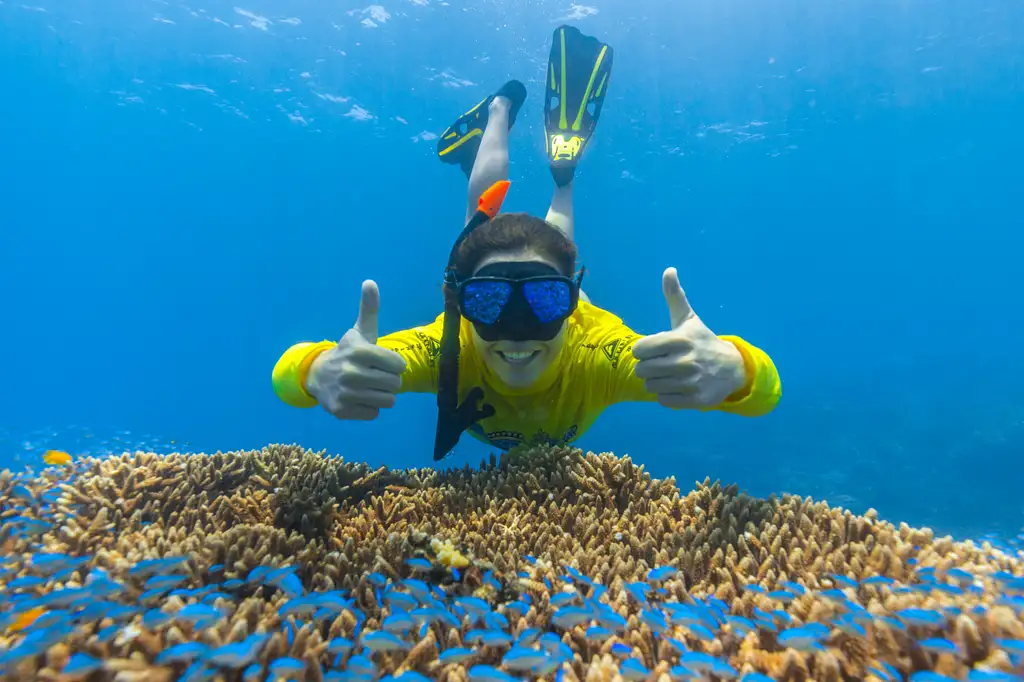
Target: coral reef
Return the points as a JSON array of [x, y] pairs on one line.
[[548, 563]]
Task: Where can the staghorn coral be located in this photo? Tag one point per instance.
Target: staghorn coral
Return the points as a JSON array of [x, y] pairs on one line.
[[251, 535]]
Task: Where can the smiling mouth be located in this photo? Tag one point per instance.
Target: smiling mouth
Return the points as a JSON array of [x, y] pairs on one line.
[[518, 357]]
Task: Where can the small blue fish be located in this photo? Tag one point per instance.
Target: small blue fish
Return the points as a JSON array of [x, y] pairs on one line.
[[407, 676], [199, 613], [398, 622], [802, 639], [638, 591], [487, 673], [834, 595], [563, 599], [298, 606], [528, 637], [980, 675], [878, 580], [523, 659], [473, 605], [850, 626], [153, 566], [286, 667], [702, 633], [400, 600], [921, 617], [782, 595], [740, 624], [937, 645], [339, 645], [164, 582], [455, 655], [655, 620], [181, 653], [795, 588], [1014, 646], [383, 641], [20, 491], [26, 582], [237, 656], [632, 669], [843, 581], [698, 661], [662, 573], [80, 665], [154, 618], [495, 638], [620, 649], [569, 617], [417, 588], [495, 621], [681, 674], [930, 676]]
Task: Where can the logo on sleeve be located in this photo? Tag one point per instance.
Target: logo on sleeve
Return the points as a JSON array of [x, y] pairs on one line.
[[613, 351], [432, 347]]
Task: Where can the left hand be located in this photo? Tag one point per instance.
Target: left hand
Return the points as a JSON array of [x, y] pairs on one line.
[[687, 367]]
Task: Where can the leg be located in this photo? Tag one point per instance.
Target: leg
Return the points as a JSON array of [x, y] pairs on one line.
[[477, 141], [491, 163], [560, 214]]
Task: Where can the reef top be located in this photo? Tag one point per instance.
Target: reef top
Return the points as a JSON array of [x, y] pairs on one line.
[[546, 563]]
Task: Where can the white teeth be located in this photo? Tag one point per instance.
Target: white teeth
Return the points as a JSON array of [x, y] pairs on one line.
[[513, 356]]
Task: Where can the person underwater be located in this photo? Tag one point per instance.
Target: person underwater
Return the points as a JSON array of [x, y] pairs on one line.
[[520, 354]]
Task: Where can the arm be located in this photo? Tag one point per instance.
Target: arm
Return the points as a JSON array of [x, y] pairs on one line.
[[418, 346], [606, 351]]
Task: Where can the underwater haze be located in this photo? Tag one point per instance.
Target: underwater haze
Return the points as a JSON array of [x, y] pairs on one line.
[[188, 188]]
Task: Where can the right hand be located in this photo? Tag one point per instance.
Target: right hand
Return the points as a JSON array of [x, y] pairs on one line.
[[357, 378]]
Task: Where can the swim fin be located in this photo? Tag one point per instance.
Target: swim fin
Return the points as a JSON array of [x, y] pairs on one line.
[[577, 81], [460, 142]]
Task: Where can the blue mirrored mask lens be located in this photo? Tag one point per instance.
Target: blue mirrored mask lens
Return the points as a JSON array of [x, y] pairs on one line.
[[549, 299], [483, 301]]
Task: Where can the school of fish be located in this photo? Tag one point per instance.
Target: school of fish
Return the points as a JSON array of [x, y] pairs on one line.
[[169, 617]]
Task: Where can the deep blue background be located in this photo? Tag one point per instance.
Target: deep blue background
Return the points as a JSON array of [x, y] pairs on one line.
[[837, 182]]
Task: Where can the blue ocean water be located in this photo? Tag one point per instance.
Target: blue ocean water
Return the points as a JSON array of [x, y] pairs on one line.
[[186, 189]]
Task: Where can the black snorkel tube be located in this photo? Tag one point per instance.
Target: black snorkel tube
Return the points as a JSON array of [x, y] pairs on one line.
[[453, 418]]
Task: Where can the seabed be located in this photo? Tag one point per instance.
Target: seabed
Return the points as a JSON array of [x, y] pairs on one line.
[[553, 564]]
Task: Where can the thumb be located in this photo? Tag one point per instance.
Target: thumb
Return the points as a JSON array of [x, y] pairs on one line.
[[679, 309], [369, 306]]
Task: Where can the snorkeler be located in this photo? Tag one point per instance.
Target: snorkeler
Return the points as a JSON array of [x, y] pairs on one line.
[[520, 354]]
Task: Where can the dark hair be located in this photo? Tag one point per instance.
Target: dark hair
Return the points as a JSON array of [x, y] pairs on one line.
[[515, 232]]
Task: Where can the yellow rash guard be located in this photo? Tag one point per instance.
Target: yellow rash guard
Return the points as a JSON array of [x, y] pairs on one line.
[[593, 370]]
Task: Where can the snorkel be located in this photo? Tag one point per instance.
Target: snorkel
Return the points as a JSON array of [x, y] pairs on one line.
[[452, 418]]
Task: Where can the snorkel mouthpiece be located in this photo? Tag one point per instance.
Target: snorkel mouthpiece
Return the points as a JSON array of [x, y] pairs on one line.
[[453, 418]]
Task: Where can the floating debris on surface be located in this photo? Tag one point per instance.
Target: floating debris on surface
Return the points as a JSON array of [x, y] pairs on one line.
[[285, 564]]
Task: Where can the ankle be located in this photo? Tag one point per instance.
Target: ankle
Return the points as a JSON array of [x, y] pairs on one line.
[[500, 105]]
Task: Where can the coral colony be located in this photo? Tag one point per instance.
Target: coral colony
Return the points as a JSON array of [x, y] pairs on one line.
[[550, 564]]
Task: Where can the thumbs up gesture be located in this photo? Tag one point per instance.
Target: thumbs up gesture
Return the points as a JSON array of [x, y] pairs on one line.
[[687, 366], [357, 378]]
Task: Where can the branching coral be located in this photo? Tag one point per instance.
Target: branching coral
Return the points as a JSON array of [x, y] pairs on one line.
[[296, 554]]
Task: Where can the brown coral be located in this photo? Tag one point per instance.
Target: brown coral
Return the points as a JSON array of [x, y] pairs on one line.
[[512, 527]]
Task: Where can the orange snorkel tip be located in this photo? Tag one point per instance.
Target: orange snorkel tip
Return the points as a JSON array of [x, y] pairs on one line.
[[492, 198]]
